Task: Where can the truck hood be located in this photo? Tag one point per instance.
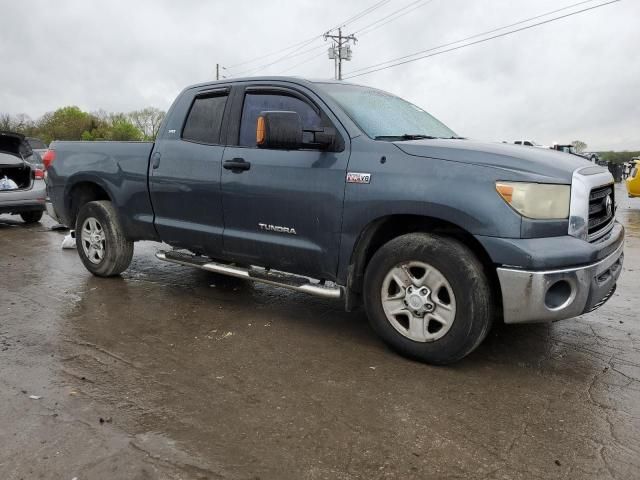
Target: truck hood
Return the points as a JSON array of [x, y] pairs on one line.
[[543, 164]]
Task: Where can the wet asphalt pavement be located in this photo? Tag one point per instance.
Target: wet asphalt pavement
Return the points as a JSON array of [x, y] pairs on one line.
[[173, 373]]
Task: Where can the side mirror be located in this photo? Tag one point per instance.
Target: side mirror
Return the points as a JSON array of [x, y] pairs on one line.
[[279, 130], [283, 130]]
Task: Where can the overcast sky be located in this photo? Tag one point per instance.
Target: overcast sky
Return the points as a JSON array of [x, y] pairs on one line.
[[577, 78]]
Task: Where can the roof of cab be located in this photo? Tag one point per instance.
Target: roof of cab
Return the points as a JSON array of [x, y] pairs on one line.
[[298, 80]]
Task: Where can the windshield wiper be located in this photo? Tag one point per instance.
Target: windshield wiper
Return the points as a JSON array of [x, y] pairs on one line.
[[405, 136], [453, 138]]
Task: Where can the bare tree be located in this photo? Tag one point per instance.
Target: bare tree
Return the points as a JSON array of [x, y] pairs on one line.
[[6, 122], [147, 120], [579, 145], [15, 123]]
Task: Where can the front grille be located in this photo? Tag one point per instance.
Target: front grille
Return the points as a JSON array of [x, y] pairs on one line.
[[601, 211]]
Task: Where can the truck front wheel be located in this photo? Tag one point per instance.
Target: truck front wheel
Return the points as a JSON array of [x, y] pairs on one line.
[[428, 297], [101, 244]]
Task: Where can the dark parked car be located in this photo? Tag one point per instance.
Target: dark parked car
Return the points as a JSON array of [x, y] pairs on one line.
[[38, 147], [345, 191]]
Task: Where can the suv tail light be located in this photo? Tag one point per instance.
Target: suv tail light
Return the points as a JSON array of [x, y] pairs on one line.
[[48, 158]]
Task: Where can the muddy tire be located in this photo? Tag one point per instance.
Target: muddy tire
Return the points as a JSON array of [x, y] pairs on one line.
[[428, 297], [101, 244], [31, 217]]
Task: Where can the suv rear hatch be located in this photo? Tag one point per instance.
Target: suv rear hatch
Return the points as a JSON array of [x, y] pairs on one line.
[[12, 165]]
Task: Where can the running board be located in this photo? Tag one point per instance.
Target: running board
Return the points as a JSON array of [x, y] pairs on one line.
[[280, 279]]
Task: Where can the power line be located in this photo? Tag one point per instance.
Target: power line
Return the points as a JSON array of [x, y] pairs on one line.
[[358, 16], [313, 57], [421, 3], [278, 60], [275, 52], [372, 68], [297, 46], [476, 35], [407, 9], [291, 54]]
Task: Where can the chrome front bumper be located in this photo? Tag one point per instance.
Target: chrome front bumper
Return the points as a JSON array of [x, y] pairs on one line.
[[546, 296]]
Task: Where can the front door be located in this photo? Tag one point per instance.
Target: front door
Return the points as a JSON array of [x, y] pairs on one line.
[[184, 175], [283, 209]]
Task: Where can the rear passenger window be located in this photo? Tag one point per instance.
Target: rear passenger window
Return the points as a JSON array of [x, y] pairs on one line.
[[255, 103], [205, 119]]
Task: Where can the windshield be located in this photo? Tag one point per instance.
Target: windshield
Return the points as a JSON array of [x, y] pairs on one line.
[[37, 144], [384, 116]]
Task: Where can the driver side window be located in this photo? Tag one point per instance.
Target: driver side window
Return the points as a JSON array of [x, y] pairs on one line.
[[255, 103]]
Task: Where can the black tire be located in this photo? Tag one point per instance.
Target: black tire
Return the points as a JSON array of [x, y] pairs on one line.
[[33, 216], [118, 250], [467, 278]]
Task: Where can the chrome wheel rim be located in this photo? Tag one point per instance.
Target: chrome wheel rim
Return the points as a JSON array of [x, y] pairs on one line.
[[92, 239], [418, 301]]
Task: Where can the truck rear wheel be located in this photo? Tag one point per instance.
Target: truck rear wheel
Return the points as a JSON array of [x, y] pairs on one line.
[[100, 241], [428, 297]]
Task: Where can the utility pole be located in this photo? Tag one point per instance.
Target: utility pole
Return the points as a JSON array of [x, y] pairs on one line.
[[340, 50], [218, 68]]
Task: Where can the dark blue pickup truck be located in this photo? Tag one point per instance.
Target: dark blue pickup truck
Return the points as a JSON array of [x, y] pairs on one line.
[[346, 191]]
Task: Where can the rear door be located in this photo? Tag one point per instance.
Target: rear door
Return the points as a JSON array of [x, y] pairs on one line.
[[284, 209], [184, 172]]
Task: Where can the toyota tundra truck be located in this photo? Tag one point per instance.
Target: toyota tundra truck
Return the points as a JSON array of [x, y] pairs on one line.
[[348, 192]]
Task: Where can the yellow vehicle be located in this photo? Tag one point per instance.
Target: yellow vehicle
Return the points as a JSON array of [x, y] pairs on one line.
[[633, 181]]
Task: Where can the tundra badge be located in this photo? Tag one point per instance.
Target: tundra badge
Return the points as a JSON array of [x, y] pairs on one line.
[[277, 228], [354, 177]]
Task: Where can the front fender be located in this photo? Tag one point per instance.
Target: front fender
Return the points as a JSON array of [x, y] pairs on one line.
[[460, 194]]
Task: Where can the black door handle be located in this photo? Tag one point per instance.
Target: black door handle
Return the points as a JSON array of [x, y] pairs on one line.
[[156, 160], [237, 165]]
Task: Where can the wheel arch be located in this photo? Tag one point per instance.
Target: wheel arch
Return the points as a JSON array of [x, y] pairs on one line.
[[80, 193], [381, 230]]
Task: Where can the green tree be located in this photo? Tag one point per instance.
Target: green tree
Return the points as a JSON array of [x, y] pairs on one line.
[[66, 123], [123, 129], [72, 123], [618, 157]]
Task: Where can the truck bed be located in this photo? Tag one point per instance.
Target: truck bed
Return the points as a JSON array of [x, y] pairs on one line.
[[119, 168]]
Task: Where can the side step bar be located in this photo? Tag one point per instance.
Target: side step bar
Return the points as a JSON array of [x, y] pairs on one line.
[[286, 280]]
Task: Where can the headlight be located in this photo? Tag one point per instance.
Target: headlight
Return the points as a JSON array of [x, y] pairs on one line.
[[536, 200]]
